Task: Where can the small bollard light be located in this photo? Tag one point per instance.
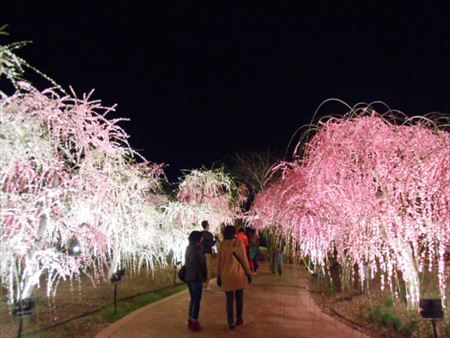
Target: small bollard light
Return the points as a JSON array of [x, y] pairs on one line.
[[74, 248], [117, 276], [24, 307]]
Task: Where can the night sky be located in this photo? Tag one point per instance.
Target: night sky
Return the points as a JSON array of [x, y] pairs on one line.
[[202, 80]]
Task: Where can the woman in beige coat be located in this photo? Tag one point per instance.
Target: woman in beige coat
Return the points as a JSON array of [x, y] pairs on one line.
[[233, 274]]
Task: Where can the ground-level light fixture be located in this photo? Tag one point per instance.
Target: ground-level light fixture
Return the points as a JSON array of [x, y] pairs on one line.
[[117, 276], [24, 307], [74, 247]]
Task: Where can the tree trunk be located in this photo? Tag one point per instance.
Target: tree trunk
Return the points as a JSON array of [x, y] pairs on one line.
[[410, 273], [32, 273]]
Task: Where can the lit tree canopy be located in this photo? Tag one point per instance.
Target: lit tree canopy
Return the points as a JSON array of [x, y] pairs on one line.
[[202, 195], [377, 192], [68, 180], [215, 190], [66, 177]]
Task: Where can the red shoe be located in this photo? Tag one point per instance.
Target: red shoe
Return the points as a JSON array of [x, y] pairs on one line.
[[195, 325], [190, 323]]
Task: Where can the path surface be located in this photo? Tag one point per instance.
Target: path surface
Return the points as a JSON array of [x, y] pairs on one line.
[[274, 306]]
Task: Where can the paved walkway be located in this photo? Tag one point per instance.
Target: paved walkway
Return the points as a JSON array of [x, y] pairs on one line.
[[274, 306]]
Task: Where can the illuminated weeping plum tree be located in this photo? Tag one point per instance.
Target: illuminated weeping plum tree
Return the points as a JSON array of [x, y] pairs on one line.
[[36, 189], [376, 192], [149, 247], [178, 220], [214, 189], [122, 205], [202, 195], [67, 179], [72, 197]]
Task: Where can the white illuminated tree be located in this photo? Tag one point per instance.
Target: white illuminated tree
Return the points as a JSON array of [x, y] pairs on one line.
[[73, 197], [202, 195]]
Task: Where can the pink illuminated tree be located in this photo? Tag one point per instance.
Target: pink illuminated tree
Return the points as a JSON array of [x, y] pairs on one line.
[[375, 191]]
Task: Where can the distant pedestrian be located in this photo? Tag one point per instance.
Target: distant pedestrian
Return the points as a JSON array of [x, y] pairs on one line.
[[248, 233], [208, 243], [276, 255], [254, 249], [242, 236], [233, 274], [196, 275]]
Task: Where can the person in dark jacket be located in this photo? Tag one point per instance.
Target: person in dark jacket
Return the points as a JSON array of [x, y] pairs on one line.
[[208, 242], [196, 275]]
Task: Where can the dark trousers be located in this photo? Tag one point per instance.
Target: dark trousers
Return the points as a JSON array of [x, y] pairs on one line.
[[255, 264], [276, 261], [195, 290], [231, 296]]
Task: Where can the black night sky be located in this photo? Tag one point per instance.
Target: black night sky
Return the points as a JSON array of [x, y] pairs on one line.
[[201, 80]]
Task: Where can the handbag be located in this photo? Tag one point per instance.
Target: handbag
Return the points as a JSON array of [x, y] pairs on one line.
[[182, 273]]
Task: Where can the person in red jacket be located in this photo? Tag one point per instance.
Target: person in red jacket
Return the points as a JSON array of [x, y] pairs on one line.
[[241, 236]]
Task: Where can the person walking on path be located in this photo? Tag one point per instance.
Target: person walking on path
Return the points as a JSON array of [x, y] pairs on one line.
[[276, 255], [241, 235], [233, 274], [254, 249], [208, 242], [196, 275]]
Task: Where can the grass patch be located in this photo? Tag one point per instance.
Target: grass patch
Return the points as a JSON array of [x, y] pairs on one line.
[[385, 317], [389, 302], [324, 284], [126, 307], [377, 309], [409, 328]]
